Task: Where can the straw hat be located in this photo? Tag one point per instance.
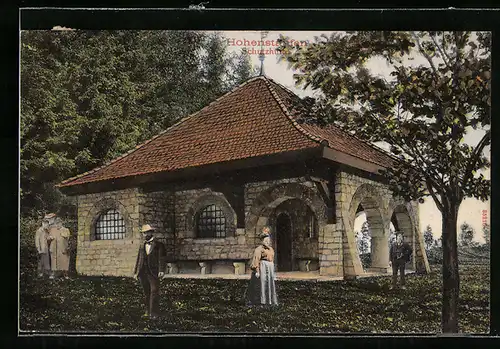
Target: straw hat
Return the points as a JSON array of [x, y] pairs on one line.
[[146, 227], [264, 235], [49, 216]]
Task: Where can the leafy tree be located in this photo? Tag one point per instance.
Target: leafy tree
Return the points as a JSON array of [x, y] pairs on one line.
[[90, 96], [215, 66], [242, 69], [466, 234], [486, 233], [363, 239], [392, 236], [423, 111], [428, 237]]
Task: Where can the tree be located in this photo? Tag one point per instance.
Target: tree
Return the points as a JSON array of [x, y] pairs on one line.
[[90, 96], [363, 239], [486, 233], [421, 111], [215, 66], [242, 67], [466, 234], [428, 237]]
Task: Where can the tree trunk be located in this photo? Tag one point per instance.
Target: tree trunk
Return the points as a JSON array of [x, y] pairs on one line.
[[451, 282]]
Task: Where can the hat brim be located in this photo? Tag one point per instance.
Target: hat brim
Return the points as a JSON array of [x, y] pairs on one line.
[[145, 231]]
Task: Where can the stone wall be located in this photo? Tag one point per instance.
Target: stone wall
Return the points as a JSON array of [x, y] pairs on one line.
[[157, 209], [351, 191], [108, 257], [190, 247], [264, 201]]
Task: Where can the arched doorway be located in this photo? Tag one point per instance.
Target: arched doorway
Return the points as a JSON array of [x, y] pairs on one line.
[[369, 230], [307, 212], [284, 240]]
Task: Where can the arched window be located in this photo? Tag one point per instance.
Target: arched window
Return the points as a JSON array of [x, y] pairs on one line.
[[110, 226], [312, 225], [211, 222]]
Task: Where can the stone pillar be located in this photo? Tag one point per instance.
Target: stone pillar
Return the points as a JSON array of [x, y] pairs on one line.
[[420, 255], [379, 246], [239, 268], [330, 251], [172, 268], [379, 255]]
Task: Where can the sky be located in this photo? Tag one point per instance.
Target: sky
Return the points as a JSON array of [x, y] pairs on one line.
[[471, 210]]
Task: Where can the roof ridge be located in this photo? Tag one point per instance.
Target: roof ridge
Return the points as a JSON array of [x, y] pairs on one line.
[[287, 113], [182, 120], [370, 144]]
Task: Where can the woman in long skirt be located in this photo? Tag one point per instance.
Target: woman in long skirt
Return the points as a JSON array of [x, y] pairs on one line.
[[262, 287]]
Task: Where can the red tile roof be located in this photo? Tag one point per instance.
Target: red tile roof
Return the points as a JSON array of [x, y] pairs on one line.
[[252, 120]]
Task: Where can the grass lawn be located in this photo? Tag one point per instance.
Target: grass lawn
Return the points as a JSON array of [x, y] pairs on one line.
[[114, 304]]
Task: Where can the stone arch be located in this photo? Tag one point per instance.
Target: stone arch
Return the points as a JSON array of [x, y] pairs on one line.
[[100, 207], [403, 214], [268, 200], [211, 199], [372, 202]]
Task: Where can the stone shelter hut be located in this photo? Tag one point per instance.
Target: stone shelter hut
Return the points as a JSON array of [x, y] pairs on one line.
[[210, 182]]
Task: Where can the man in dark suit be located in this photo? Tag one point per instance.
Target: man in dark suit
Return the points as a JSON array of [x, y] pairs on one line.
[[149, 268], [399, 255]]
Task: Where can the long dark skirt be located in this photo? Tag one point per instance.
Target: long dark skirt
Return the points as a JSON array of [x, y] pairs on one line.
[[262, 289]]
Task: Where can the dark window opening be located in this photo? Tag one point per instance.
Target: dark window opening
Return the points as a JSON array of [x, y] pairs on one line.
[[211, 223], [110, 226]]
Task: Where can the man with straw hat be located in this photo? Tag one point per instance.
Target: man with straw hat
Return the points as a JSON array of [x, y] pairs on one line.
[[149, 269], [42, 241], [59, 248]]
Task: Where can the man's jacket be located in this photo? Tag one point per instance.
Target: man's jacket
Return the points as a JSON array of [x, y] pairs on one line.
[[400, 252], [155, 259], [41, 242]]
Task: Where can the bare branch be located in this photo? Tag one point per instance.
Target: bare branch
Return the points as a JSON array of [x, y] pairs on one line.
[[433, 194], [476, 154], [420, 49], [408, 149], [443, 53]]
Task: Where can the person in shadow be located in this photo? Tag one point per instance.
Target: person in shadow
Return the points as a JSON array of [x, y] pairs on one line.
[[399, 254], [149, 269]]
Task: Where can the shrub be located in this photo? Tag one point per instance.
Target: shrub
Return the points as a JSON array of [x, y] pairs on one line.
[[366, 260], [28, 253], [435, 255]]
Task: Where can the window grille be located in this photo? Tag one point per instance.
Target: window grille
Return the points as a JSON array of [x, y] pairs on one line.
[[110, 226], [211, 223]]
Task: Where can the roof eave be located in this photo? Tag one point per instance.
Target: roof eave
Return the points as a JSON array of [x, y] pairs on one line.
[[192, 172], [352, 161]]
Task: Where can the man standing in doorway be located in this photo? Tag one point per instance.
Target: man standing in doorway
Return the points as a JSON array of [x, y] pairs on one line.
[[399, 255], [149, 269]]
